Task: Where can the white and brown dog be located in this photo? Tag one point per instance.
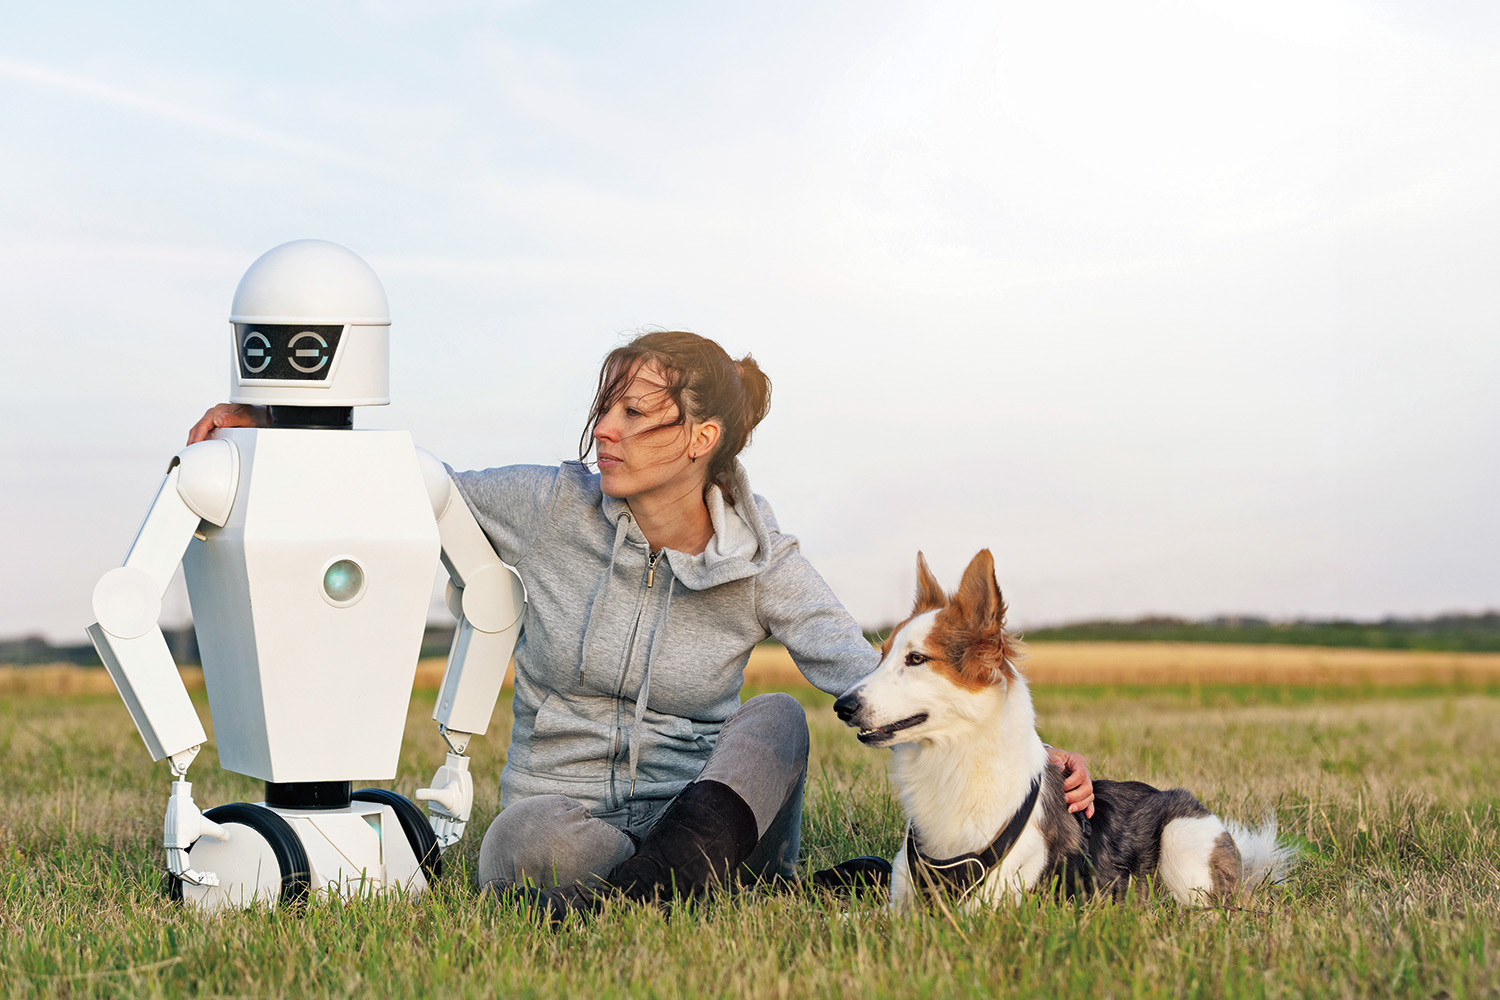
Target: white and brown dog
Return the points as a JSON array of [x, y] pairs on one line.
[[988, 820]]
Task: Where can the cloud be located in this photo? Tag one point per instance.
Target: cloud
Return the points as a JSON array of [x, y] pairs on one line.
[[232, 128]]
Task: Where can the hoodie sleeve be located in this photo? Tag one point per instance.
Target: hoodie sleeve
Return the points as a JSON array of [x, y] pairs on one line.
[[510, 504], [799, 610]]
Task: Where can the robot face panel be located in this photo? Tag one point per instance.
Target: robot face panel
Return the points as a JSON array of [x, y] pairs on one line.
[[280, 351]]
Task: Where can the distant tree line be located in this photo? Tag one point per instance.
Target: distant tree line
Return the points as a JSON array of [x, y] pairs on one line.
[[1478, 633], [1445, 633], [183, 643]]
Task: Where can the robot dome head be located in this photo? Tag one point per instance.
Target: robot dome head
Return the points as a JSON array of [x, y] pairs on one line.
[[310, 327]]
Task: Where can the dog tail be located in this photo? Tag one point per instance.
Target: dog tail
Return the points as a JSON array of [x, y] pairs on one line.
[[1265, 858]]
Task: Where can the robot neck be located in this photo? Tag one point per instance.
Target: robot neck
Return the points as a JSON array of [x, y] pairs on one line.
[[326, 418]]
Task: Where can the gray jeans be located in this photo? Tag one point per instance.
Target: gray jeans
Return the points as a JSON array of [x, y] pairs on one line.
[[761, 754]]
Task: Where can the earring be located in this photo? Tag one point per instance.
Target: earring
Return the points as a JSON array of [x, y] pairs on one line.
[[692, 458]]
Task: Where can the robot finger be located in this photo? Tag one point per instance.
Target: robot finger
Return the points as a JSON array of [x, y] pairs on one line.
[[448, 831], [442, 800], [208, 828], [177, 864]]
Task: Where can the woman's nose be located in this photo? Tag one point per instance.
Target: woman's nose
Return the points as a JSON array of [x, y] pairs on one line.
[[604, 430]]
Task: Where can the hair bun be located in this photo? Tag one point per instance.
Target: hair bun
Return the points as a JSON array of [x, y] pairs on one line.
[[757, 389]]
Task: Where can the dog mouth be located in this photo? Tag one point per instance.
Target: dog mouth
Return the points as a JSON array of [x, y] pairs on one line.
[[874, 737]]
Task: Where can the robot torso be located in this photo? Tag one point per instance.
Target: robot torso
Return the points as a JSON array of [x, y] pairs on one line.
[[311, 601]]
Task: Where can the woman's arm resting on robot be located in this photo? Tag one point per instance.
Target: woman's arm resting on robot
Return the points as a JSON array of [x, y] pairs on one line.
[[226, 415]]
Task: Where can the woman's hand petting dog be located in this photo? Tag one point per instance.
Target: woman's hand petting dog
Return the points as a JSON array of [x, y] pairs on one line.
[[1078, 787]]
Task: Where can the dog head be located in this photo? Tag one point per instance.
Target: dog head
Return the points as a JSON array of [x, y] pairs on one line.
[[944, 668]]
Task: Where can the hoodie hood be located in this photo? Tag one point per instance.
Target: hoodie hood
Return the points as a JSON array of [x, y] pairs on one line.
[[740, 547]]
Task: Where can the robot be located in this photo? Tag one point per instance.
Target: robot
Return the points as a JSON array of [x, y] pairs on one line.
[[309, 550]]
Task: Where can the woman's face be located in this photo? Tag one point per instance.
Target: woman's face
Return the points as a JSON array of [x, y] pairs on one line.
[[636, 454]]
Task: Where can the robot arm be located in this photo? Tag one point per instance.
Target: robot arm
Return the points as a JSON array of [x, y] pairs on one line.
[[487, 598], [199, 486]]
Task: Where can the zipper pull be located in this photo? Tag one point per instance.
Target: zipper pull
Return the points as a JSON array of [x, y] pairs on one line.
[[651, 568]]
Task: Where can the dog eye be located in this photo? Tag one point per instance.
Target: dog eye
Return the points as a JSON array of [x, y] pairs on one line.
[[913, 659]]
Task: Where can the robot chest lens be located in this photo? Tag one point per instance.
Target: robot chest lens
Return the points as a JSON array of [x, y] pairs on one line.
[[343, 582]]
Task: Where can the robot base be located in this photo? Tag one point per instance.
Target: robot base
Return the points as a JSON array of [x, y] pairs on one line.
[[379, 843]]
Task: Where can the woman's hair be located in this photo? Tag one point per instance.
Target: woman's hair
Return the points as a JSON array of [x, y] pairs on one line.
[[704, 383]]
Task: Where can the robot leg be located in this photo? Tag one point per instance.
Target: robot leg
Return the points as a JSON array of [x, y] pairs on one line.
[[261, 861], [419, 835], [278, 856]]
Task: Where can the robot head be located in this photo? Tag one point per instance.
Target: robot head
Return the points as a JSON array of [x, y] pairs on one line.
[[310, 327]]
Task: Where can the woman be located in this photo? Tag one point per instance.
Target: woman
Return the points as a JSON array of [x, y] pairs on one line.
[[632, 766]]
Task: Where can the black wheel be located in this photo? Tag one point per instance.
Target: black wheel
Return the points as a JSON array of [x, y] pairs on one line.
[[418, 833], [291, 857]]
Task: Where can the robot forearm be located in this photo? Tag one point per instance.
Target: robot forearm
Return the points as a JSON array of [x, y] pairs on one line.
[[127, 603], [198, 486], [487, 598]]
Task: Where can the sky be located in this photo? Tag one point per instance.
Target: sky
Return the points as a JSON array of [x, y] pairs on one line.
[[1179, 308]]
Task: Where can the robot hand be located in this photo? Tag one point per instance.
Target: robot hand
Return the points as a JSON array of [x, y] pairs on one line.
[[185, 824], [449, 800]]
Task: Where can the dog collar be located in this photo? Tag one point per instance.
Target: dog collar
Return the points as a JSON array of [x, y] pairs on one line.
[[962, 873]]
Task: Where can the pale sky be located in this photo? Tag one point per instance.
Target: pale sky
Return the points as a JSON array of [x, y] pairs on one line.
[[1185, 308]]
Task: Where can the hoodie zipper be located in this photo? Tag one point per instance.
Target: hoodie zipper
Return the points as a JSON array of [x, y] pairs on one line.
[[635, 628]]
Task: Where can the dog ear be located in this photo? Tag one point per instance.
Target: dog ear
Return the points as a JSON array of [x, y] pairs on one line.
[[930, 594], [989, 651], [978, 598]]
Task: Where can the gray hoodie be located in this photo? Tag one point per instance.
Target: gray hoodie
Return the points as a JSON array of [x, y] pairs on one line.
[[625, 673]]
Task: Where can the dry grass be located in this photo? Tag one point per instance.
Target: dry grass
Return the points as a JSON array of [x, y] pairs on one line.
[[1057, 664], [1391, 796], [67, 679], [1091, 663]]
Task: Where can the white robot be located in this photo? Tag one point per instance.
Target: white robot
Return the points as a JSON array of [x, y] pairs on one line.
[[309, 550]]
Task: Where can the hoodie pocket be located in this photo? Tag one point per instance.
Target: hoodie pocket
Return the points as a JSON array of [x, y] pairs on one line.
[[671, 749], [567, 743]]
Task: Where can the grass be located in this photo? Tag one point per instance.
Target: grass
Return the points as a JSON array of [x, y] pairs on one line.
[[1391, 792]]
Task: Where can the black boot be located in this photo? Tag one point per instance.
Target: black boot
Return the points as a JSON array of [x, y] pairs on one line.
[[703, 837]]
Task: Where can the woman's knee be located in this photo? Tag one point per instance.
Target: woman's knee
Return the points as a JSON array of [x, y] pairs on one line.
[[781, 714], [550, 840]]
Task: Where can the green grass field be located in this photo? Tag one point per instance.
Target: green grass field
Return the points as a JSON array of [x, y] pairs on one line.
[[1392, 793]]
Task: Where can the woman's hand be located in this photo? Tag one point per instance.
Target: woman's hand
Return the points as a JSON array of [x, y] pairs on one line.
[[1078, 787], [227, 415]]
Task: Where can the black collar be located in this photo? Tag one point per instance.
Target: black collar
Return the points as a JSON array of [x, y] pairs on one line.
[[959, 875]]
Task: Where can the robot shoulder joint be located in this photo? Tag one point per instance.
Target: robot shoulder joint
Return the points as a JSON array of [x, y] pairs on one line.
[[435, 478], [208, 473]]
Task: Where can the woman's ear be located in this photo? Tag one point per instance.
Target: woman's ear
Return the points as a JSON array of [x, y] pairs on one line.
[[704, 439]]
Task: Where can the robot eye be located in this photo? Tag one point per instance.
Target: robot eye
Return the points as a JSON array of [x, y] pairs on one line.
[[343, 582], [277, 351]]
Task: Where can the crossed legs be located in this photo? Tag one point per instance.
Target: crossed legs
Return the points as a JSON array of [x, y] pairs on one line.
[[761, 757]]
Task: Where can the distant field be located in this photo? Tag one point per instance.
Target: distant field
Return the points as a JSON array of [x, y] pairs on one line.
[[1091, 664], [1072, 664]]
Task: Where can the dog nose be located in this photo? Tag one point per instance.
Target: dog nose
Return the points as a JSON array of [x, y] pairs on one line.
[[847, 705]]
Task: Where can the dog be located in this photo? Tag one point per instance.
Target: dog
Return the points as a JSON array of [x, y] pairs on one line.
[[987, 816]]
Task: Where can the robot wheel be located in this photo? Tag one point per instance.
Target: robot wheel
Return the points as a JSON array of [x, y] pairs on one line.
[[259, 835], [418, 833]]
